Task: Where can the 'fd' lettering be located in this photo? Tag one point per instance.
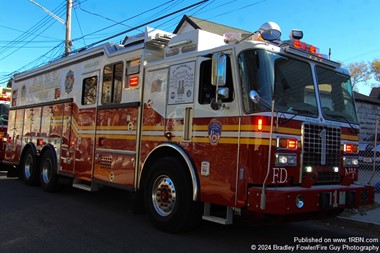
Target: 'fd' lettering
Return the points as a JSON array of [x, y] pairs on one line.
[[280, 175]]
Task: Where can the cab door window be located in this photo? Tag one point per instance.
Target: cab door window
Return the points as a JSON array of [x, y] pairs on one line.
[[206, 90], [112, 83]]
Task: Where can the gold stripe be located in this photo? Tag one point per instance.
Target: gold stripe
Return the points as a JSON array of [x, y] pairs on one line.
[[350, 137], [117, 136]]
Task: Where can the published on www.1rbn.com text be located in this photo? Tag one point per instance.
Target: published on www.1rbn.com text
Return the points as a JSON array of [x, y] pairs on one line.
[[311, 244]]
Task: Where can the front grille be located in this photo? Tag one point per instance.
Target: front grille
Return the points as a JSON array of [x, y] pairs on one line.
[[321, 150]]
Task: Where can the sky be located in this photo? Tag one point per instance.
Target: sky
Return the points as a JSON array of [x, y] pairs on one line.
[[29, 36]]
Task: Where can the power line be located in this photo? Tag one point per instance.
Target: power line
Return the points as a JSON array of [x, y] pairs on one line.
[[24, 32], [44, 23], [105, 28], [80, 27], [144, 24]]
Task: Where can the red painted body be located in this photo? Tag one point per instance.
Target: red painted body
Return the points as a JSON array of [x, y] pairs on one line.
[[105, 130]]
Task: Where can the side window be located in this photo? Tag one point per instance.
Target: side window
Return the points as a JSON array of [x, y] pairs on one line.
[[132, 73], [89, 90], [112, 83], [206, 90]]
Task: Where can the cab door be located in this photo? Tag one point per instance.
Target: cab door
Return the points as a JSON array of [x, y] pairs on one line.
[[83, 125], [116, 129], [216, 131]]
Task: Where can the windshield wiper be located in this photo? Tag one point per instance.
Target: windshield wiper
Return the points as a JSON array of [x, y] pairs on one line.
[[338, 116], [297, 112]]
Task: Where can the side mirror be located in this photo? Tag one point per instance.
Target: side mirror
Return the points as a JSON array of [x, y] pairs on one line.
[[219, 69], [254, 96], [224, 92]]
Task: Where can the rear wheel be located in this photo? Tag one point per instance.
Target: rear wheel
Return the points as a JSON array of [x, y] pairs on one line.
[[168, 197], [29, 168], [49, 177]]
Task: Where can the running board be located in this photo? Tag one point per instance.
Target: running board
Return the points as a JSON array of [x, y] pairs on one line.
[[216, 219], [85, 185]]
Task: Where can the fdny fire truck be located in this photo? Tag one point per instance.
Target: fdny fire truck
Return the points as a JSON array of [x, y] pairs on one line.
[[5, 96], [198, 125]]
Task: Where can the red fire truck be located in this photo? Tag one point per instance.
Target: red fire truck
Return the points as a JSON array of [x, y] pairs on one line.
[[198, 125], [5, 96]]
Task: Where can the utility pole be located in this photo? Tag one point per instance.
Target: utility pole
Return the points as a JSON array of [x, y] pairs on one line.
[[69, 6], [68, 27]]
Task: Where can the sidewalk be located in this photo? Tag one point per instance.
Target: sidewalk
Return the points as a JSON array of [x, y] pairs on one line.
[[370, 216]]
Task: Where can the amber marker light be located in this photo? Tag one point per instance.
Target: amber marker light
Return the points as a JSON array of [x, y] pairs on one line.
[[260, 124], [285, 143], [350, 148], [133, 81]]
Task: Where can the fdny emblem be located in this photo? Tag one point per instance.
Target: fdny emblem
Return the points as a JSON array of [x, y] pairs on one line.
[[214, 132], [69, 82]]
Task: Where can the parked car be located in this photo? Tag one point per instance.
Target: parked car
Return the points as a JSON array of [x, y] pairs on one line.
[[369, 153]]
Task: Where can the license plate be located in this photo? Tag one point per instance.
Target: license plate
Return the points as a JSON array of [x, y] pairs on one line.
[[367, 159]]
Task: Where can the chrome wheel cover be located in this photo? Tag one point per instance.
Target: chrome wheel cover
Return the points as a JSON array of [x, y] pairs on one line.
[[28, 166], [163, 195], [46, 171]]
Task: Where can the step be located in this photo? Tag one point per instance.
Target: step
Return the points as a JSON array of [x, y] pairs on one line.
[[85, 185], [216, 219]]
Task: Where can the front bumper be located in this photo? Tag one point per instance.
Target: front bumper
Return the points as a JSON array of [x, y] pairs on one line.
[[285, 200]]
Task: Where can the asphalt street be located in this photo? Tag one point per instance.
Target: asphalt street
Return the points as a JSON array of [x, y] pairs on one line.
[[77, 221]]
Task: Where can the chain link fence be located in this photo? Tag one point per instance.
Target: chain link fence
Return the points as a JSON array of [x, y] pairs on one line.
[[369, 159]]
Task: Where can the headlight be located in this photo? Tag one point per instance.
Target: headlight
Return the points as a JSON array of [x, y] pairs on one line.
[[350, 161], [286, 159]]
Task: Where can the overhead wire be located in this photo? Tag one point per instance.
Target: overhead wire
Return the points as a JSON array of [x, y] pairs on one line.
[[37, 30], [25, 32], [27, 37], [80, 27], [55, 53], [130, 18]]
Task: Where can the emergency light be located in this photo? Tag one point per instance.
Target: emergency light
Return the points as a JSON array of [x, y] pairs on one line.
[[296, 34], [133, 81], [350, 148]]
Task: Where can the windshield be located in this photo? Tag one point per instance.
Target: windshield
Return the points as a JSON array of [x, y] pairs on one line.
[[290, 79], [254, 75], [336, 93], [4, 109], [293, 87], [291, 82]]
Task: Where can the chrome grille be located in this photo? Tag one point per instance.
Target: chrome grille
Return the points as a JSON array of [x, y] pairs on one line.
[[321, 150]]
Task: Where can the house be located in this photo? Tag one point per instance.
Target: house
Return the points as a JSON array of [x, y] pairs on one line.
[[189, 23], [368, 109]]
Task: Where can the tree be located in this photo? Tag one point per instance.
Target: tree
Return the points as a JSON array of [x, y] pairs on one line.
[[362, 72], [375, 69]]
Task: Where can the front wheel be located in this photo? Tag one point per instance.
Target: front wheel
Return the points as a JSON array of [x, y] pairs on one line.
[[168, 197]]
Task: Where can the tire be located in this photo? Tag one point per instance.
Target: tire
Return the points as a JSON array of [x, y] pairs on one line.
[[168, 197], [29, 168], [48, 172]]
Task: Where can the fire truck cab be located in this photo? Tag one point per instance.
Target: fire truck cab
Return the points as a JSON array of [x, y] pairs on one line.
[[193, 123]]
